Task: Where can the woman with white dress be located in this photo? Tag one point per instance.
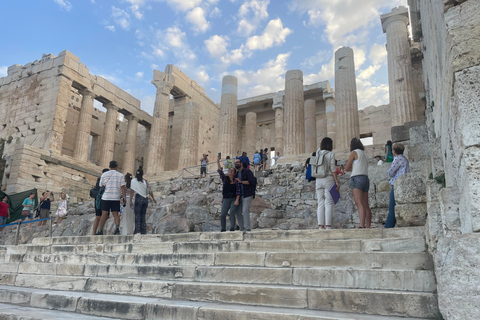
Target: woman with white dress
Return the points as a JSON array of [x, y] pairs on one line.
[[127, 224], [62, 207]]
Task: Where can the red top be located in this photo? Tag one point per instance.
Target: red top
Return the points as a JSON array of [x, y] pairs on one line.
[[3, 209]]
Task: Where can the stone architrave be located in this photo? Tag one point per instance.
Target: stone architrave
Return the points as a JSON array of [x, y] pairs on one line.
[[250, 133], [131, 145], [294, 119], [346, 103], [278, 106], [228, 117], [109, 132], [400, 77], [82, 141], [189, 140], [310, 126], [329, 98], [164, 83]]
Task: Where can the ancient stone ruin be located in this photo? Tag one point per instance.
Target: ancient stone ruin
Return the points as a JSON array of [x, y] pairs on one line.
[[54, 137]]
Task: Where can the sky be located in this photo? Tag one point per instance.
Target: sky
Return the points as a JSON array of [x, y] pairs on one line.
[[255, 40]]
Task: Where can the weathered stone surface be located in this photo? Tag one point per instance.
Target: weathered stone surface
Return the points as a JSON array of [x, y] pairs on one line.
[[412, 214], [409, 189]]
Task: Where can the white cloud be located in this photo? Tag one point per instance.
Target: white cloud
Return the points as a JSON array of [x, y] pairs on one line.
[[368, 72], [197, 18], [183, 5], [121, 18], [274, 34], [378, 54], [175, 37], [327, 71], [250, 15], [3, 71], [216, 45], [319, 58], [371, 95], [215, 13], [135, 9], [154, 66], [64, 4], [359, 57], [139, 74], [111, 28]]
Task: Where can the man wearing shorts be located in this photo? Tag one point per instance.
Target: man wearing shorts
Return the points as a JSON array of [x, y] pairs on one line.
[[114, 184]]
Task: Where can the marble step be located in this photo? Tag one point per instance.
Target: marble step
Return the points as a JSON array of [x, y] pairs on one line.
[[371, 302], [84, 305], [354, 260], [403, 280], [258, 234]]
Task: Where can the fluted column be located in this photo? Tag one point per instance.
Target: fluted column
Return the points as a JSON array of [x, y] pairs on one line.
[[346, 103], [82, 141], [278, 106], [321, 129], [228, 116], [189, 140], [310, 126], [294, 119], [158, 135], [108, 137], [250, 133], [131, 145], [400, 78], [329, 98]]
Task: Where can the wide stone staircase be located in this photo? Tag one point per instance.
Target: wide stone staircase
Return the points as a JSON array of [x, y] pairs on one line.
[[270, 274]]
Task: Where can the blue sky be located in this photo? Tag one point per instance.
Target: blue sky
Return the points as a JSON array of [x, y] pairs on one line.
[[255, 40]]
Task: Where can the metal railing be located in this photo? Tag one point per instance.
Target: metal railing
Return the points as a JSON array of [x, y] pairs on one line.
[[187, 173], [19, 223]]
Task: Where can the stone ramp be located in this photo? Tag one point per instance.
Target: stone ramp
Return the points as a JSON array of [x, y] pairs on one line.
[[379, 273]]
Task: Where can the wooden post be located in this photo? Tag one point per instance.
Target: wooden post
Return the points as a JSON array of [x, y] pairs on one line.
[[17, 233]]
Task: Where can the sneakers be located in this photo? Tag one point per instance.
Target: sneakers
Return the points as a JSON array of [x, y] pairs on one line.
[[99, 233], [328, 228], [117, 232]]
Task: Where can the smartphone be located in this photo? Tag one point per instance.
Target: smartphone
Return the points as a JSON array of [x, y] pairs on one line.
[[220, 155]]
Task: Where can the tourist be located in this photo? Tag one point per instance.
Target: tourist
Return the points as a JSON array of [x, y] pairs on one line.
[[62, 207], [128, 221], [256, 160], [140, 192], [45, 204], [4, 211], [277, 157], [308, 167], [324, 185], [28, 206], [265, 159], [231, 199], [399, 167], [379, 160], [247, 185], [227, 164], [358, 164], [203, 165], [340, 169], [388, 152], [245, 160], [261, 160], [98, 210], [114, 184]]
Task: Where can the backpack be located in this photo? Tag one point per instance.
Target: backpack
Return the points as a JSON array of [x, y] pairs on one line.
[[320, 166], [98, 199]]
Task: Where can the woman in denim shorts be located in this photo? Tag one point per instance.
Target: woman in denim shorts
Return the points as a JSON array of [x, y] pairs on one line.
[[358, 164]]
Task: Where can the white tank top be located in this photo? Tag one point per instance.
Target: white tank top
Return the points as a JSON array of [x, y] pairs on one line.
[[360, 166]]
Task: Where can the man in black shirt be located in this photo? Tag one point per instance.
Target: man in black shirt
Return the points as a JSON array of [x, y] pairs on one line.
[[247, 183]]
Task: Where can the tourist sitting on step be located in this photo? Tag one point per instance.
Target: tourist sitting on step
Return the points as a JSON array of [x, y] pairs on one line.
[[325, 184], [231, 192], [114, 184], [98, 211], [399, 167], [357, 163], [140, 191]]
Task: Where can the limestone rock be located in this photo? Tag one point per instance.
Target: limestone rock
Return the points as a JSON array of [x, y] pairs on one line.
[[409, 189], [412, 214]]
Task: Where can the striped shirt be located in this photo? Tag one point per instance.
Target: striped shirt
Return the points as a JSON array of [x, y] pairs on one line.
[[113, 182], [399, 166]]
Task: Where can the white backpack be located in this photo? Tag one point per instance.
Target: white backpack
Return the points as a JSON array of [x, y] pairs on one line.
[[320, 165]]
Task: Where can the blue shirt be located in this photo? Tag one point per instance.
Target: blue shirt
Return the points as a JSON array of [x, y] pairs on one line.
[[399, 166]]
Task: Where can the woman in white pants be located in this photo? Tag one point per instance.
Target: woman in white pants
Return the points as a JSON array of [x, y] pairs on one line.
[[323, 186]]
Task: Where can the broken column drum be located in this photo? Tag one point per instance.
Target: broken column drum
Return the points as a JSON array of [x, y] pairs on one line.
[[346, 103], [228, 117], [294, 119]]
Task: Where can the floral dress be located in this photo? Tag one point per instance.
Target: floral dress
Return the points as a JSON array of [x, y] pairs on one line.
[[62, 208]]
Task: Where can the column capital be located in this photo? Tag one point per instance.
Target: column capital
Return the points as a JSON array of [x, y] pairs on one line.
[[278, 101], [110, 105], [164, 82], [131, 117], [86, 92], [397, 14], [328, 95]]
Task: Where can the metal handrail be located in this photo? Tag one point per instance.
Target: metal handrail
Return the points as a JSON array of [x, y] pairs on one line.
[[19, 223]]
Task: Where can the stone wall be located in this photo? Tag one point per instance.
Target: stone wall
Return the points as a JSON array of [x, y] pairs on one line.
[[451, 69], [377, 122]]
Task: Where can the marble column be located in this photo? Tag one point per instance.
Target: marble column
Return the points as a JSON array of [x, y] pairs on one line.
[[227, 133], [400, 78], [164, 83], [329, 98], [250, 134], [131, 145], [82, 141], [108, 137], [310, 126], [189, 140], [321, 128], [294, 120], [278, 106], [346, 103]]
